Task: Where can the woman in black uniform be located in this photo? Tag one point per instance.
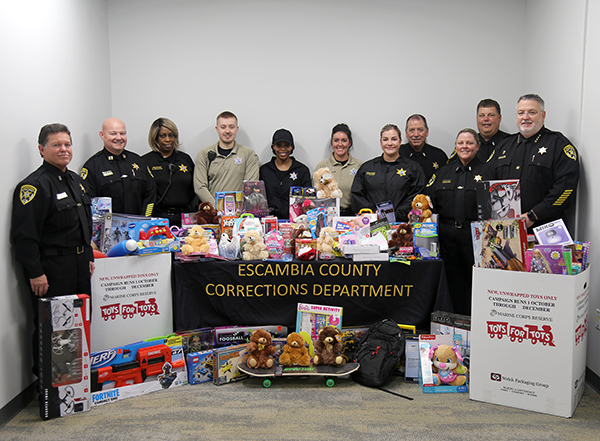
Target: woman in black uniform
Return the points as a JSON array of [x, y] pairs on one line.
[[173, 172]]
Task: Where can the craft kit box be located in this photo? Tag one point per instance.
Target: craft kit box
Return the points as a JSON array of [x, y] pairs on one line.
[[64, 358], [528, 339]]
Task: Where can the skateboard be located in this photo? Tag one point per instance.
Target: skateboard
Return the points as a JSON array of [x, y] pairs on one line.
[[329, 372]]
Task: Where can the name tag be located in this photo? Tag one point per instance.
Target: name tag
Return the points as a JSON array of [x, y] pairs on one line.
[[157, 167], [107, 173], [447, 181], [62, 195]]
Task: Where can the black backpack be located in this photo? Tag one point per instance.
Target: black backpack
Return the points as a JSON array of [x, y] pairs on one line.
[[379, 353]]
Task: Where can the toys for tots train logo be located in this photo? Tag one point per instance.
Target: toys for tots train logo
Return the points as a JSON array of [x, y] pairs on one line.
[[140, 307], [534, 333]]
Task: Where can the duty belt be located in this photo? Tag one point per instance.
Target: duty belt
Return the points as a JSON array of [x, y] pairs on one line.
[[455, 224], [63, 251]]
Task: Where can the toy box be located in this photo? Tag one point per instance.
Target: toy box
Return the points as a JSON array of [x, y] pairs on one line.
[[255, 199], [553, 233], [411, 359], [300, 205], [428, 343], [116, 229], [235, 335], [448, 323], [200, 366], [548, 259], [522, 325], [225, 364], [64, 357], [229, 203], [311, 318], [153, 236], [500, 244], [498, 199], [306, 249], [425, 240], [197, 339], [137, 369], [101, 206]]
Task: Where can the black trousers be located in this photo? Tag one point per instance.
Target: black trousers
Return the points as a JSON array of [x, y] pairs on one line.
[[68, 274], [456, 250]]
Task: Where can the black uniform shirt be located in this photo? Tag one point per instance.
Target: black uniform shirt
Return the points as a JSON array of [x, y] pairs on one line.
[[549, 171], [50, 210], [442, 189], [487, 149], [430, 158], [124, 178], [179, 169], [379, 181]]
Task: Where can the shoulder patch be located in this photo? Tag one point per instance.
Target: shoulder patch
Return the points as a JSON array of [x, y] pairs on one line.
[[84, 173], [570, 152], [27, 193], [431, 181]]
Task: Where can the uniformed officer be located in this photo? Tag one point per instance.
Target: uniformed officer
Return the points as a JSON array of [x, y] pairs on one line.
[[52, 224], [454, 198], [224, 166], [430, 158], [545, 161], [173, 172], [119, 174], [489, 118]]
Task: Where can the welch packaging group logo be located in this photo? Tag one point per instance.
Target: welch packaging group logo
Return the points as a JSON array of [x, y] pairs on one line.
[[141, 308], [533, 333]]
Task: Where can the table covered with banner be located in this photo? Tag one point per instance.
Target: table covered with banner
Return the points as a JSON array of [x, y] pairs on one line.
[[254, 293]]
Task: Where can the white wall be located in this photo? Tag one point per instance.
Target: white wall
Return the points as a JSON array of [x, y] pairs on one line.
[[54, 69], [309, 64]]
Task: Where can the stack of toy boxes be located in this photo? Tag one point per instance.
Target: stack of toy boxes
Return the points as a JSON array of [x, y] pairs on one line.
[[137, 369], [198, 347], [64, 357]]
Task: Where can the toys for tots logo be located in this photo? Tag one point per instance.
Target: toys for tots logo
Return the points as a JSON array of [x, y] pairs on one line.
[[140, 307], [533, 333]]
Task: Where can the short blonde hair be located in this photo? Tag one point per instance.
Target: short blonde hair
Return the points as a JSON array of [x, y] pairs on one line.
[[155, 128]]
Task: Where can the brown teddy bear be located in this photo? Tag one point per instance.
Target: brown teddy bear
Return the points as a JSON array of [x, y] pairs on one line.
[[260, 350], [294, 351], [328, 347], [325, 184], [423, 204], [401, 237], [254, 247], [195, 241], [207, 214]]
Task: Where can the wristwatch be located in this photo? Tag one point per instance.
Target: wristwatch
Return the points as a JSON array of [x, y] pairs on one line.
[[531, 216]]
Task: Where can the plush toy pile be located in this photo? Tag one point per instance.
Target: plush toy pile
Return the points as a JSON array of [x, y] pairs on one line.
[[325, 184]]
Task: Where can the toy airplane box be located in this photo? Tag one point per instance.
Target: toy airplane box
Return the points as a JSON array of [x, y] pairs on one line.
[[137, 369], [235, 335], [225, 364], [441, 375], [200, 366], [311, 318], [64, 357], [153, 236]]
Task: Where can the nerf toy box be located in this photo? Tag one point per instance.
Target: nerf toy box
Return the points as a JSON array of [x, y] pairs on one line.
[[200, 366], [235, 335], [137, 369], [441, 373], [225, 364], [64, 357]]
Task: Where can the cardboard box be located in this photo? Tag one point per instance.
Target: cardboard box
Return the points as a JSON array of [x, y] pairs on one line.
[[411, 364], [448, 323], [200, 366], [426, 374], [311, 318], [528, 339], [225, 364], [235, 335], [64, 336]]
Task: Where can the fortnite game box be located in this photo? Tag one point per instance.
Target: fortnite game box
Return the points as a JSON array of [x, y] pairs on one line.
[[64, 357]]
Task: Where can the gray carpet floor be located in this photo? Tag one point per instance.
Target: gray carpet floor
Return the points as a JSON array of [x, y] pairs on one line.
[[305, 409]]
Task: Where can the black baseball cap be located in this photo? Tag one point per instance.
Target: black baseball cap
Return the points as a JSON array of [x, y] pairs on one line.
[[283, 135]]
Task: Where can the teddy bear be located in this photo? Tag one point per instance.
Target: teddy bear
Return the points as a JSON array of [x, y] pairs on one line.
[[447, 366], [260, 350], [207, 214], [422, 206], [328, 347], [326, 242], [254, 247], [325, 184], [401, 237], [195, 241], [294, 351]]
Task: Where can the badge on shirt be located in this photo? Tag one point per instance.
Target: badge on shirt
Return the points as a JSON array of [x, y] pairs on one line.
[[27, 193], [183, 168], [62, 195], [570, 152], [293, 176], [401, 172], [84, 173], [353, 172], [107, 173], [238, 160]]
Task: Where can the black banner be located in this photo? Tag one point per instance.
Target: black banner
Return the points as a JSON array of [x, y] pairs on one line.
[[252, 293]]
